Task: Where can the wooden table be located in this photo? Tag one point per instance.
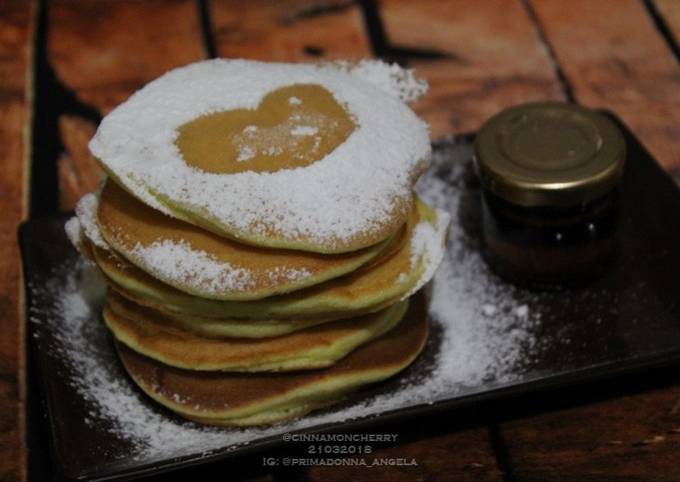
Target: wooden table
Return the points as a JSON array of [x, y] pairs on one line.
[[65, 63]]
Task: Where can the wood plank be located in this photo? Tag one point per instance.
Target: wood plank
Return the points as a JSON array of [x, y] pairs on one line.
[[670, 11], [495, 58], [78, 170], [630, 437], [17, 21], [104, 50], [614, 58], [289, 30]]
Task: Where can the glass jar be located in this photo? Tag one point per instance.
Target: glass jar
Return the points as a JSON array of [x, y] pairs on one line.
[[550, 209]]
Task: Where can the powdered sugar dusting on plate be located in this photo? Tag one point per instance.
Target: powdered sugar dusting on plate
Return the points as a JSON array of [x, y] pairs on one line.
[[488, 334], [482, 334], [88, 350]]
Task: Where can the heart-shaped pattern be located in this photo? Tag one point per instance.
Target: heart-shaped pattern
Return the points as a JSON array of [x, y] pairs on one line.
[[354, 197], [292, 127]]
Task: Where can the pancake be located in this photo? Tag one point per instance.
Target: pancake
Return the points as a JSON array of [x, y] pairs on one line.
[[203, 264], [318, 158], [221, 328], [149, 333], [251, 399], [281, 414], [372, 288]]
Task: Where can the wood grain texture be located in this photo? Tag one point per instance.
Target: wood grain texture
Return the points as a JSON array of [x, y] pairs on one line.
[[104, 50], [628, 438], [670, 10], [78, 170], [614, 58], [289, 30], [612, 55], [17, 19], [495, 58]]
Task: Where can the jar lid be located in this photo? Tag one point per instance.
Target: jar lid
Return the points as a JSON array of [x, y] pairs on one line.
[[549, 154]]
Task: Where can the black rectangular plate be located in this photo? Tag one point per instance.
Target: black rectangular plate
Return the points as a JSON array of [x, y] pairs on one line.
[[638, 327]]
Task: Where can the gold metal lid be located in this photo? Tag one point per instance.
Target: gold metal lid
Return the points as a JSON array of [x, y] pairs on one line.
[[549, 154]]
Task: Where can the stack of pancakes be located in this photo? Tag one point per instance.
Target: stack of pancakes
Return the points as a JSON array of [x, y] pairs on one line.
[[255, 307]]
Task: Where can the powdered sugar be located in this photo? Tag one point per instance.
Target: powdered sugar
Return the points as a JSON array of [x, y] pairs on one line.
[[481, 335], [304, 130], [428, 246], [273, 141], [391, 78], [86, 211], [177, 262], [87, 349], [180, 262], [487, 333], [246, 153], [74, 232], [349, 192], [170, 260], [288, 274]]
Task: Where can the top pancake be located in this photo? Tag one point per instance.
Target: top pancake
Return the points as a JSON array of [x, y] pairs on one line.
[[203, 264], [306, 157]]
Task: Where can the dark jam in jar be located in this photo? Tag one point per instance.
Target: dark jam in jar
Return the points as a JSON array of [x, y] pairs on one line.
[[550, 206]]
